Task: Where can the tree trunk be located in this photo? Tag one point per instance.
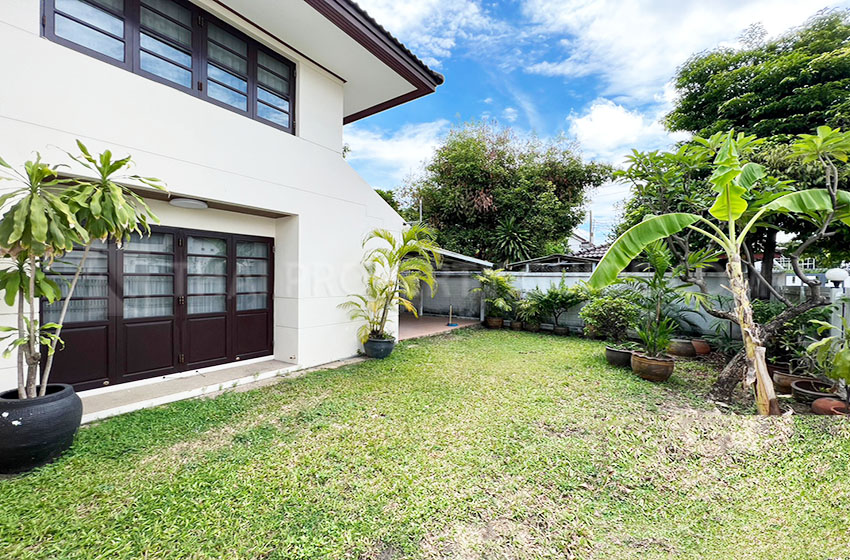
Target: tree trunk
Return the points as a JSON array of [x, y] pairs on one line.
[[32, 354], [22, 391], [767, 264], [729, 378], [756, 372]]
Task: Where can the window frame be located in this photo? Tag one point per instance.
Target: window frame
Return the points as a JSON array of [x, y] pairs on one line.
[[199, 54]]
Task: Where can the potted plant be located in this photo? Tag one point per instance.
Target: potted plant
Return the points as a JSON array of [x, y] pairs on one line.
[[395, 268], [701, 346], [559, 299], [528, 310], [653, 364], [499, 296], [832, 354], [619, 354], [47, 217]]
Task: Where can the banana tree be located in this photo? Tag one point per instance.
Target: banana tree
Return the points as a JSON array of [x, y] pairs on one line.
[[732, 180], [46, 217]]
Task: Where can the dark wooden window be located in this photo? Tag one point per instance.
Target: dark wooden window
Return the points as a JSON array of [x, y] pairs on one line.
[[178, 44], [173, 301]]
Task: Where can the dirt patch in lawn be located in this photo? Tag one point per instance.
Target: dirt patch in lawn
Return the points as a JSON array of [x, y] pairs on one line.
[[496, 539]]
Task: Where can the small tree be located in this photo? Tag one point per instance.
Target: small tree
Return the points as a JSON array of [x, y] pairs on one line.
[[560, 298], [732, 181], [832, 354], [45, 218], [394, 272]]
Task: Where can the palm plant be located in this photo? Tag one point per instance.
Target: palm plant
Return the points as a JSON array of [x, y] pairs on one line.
[[45, 218], [497, 288], [513, 241], [394, 272], [732, 180]]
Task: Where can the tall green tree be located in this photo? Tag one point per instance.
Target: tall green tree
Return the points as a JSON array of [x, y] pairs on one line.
[[496, 196]]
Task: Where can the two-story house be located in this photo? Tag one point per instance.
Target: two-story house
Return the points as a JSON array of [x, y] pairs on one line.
[[238, 106]]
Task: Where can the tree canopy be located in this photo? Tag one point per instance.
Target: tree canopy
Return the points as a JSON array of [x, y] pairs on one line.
[[496, 196], [789, 85]]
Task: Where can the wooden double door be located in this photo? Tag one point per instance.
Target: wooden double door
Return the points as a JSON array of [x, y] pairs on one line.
[[173, 301]]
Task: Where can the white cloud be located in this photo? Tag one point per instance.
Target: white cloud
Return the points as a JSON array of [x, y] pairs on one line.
[[635, 46], [432, 28], [607, 131], [385, 158], [510, 114]]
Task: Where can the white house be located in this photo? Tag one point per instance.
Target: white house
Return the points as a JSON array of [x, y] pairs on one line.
[[238, 106]]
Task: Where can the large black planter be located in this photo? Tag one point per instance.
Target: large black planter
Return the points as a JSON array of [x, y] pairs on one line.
[[36, 431], [618, 357], [379, 347]]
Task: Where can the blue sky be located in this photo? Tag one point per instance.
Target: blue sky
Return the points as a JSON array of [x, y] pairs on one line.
[[598, 71]]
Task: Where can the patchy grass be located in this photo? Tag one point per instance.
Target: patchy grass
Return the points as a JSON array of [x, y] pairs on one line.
[[480, 444]]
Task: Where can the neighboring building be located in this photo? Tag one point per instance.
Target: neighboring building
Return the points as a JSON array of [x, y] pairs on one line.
[[238, 105], [583, 260]]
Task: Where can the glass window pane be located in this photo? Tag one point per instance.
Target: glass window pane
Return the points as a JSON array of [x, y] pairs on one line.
[[273, 99], [207, 285], [207, 265], [206, 304], [251, 266], [79, 311], [95, 263], [227, 96], [163, 49], [155, 242], [148, 285], [220, 75], [273, 115], [166, 27], [89, 38], [252, 249], [87, 286], [209, 246], [273, 64], [148, 264], [272, 81], [245, 302], [135, 308], [91, 15], [251, 284], [114, 5], [227, 58], [172, 10], [167, 70], [229, 40]]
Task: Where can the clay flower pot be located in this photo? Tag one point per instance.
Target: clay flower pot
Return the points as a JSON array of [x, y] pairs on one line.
[[617, 357], [830, 407], [808, 391], [701, 346], [516, 325], [652, 369], [682, 347], [561, 331], [782, 380], [494, 322], [531, 327]]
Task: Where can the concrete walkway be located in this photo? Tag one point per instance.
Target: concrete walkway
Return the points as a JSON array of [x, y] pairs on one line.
[[428, 325]]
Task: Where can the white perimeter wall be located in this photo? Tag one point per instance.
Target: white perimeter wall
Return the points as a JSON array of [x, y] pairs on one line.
[[51, 95]]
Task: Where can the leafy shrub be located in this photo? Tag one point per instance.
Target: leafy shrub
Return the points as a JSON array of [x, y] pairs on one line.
[[795, 335], [609, 316], [558, 299]]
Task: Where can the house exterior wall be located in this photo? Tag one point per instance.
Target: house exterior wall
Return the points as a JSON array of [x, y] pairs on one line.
[[53, 95]]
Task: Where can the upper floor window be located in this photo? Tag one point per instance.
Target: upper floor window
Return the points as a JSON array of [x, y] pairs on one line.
[[178, 44]]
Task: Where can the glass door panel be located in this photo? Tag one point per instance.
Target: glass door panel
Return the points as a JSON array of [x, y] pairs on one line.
[[149, 276], [206, 267]]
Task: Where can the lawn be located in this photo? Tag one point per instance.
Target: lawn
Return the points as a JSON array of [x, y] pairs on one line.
[[478, 444]]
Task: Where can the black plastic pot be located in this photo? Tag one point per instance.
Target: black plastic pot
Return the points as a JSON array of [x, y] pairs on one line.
[[618, 358], [34, 432], [379, 348], [809, 390]]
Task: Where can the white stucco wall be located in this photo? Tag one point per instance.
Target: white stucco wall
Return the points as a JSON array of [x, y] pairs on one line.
[[52, 95]]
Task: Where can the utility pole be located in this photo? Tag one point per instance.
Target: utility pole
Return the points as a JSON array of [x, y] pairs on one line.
[[590, 235]]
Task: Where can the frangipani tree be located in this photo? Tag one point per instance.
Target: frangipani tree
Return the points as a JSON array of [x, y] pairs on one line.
[[45, 217], [734, 181]]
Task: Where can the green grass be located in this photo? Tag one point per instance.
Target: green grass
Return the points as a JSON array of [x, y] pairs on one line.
[[480, 444]]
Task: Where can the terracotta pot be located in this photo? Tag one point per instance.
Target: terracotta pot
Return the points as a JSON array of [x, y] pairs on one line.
[[779, 367], [809, 390], [617, 357], [516, 325], [531, 327], [701, 346], [830, 406], [782, 380], [652, 369], [494, 322], [561, 331], [682, 347]]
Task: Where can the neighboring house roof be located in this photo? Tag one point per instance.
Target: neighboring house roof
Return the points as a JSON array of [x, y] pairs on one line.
[[553, 259], [464, 258], [595, 253]]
